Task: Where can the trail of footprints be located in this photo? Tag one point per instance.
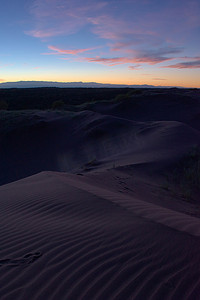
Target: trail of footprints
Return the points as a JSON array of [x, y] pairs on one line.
[[27, 259]]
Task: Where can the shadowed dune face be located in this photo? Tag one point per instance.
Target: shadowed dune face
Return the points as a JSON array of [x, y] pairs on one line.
[[156, 106], [38, 141], [153, 126]]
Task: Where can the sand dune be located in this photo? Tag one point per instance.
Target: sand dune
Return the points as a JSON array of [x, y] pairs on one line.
[[71, 142], [156, 105], [85, 212], [61, 239]]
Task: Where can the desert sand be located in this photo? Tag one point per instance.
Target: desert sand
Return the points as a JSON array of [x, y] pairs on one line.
[[95, 204]]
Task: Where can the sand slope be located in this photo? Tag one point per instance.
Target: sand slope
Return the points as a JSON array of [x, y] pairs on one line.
[[71, 142], [61, 239]]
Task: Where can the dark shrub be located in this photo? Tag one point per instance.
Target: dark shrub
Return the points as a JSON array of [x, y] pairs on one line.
[[122, 97]]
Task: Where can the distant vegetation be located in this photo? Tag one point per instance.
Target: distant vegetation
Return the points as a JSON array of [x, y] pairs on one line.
[[48, 98], [128, 95], [77, 98], [186, 175], [189, 169]]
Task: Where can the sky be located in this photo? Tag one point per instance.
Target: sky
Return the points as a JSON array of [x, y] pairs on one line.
[[115, 41]]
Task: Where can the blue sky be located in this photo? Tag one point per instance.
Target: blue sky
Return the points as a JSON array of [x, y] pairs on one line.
[[129, 41]]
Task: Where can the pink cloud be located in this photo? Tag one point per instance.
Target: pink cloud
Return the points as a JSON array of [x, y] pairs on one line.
[[151, 57], [73, 52], [140, 34], [122, 60], [1, 80]]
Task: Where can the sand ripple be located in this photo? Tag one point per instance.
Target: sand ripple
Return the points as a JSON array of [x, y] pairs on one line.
[[61, 238]]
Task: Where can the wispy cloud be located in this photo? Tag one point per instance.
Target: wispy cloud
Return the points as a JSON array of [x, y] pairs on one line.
[[185, 65], [45, 33], [59, 51], [113, 61], [150, 57], [135, 67], [109, 27], [155, 56], [60, 17]]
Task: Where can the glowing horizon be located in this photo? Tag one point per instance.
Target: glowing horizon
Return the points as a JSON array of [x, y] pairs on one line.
[[118, 42]]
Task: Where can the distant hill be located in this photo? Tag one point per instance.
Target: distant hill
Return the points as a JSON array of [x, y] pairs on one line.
[[37, 84]]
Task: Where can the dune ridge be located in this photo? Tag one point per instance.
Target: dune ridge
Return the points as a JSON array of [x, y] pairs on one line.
[[168, 217]]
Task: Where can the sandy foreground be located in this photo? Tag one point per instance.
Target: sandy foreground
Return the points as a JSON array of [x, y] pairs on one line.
[[63, 238], [85, 212]]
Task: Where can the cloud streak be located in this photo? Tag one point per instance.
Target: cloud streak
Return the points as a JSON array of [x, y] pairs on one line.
[[150, 57], [113, 61], [44, 33], [186, 65], [135, 67], [58, 51]]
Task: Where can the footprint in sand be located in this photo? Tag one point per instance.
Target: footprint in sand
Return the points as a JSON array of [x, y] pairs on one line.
[[25, 260]]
